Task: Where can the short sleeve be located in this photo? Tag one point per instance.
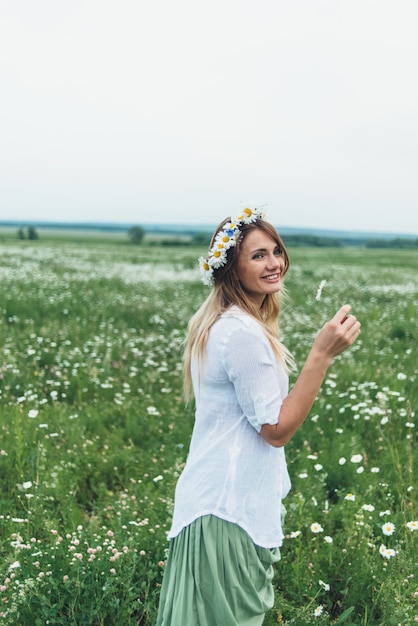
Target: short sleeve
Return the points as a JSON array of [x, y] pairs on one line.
[[260, 383]]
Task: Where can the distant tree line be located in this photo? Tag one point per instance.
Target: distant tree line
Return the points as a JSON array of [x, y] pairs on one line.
[[31, 233], [314, 241], [202, 238], [320, 241], [334, 242], [392, 243], [136, 234]]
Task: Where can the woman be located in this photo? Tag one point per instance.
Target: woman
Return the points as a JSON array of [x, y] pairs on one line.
[[226, 529]]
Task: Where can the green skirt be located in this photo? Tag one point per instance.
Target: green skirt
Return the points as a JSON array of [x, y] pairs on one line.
[[216, 576]]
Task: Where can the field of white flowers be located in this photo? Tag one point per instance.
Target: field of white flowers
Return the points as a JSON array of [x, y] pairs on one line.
[[94, 433]]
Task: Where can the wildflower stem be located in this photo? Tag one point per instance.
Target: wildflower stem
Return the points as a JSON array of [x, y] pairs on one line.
[[332, 295]]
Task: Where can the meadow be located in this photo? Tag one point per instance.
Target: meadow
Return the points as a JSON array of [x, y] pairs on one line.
[[94, 434]]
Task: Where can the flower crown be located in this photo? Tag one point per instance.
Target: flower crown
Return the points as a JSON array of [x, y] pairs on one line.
[[226, 239]]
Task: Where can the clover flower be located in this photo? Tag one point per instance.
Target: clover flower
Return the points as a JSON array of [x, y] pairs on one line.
[[14, 565]]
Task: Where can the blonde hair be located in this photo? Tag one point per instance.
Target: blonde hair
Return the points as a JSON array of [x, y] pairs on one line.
[[227, 291]]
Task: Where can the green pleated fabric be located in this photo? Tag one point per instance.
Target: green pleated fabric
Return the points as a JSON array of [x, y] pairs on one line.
[[216, 576]]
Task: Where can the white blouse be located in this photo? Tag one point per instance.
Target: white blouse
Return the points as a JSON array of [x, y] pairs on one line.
[[231, 471]]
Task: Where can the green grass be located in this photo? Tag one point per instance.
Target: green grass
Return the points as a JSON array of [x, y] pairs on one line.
[[87, 236], [68, 235], [94, 433]]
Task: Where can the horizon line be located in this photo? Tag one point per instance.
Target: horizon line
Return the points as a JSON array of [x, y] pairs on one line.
[[97, 225]]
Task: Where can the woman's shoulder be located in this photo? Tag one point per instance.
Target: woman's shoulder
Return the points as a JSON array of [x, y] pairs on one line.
[[236, 334], [235, 319]]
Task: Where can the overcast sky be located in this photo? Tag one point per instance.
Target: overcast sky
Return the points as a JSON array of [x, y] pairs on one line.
[[144, 111]]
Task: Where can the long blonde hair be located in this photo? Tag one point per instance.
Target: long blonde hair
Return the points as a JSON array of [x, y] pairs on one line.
[[227, 291]]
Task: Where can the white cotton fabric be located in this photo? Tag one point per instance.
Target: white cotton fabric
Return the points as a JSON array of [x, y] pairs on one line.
[[231, 471]]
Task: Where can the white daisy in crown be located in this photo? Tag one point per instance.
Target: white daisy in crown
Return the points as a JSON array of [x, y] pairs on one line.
[[217, 257], [249, 214], [226, 238], [206, 272]]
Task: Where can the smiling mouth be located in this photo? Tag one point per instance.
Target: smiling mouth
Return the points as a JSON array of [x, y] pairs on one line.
[[271, 277]]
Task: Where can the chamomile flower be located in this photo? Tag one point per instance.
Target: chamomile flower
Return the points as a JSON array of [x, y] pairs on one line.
[[387, 553], [388, 529], [390, 553], [249, 214], [319, 610], [226, 237], [206, 272], [368, 507], [320, 288], [316, 528], [217, 257], [412, 525]]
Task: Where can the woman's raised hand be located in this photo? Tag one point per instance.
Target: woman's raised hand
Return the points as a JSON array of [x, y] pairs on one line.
[[338, 334], [334, 337]]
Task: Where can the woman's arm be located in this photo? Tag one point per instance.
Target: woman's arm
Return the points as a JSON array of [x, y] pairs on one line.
[[335, 336]]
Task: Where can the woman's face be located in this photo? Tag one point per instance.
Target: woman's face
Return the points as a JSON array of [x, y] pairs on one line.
[[260, 265]]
